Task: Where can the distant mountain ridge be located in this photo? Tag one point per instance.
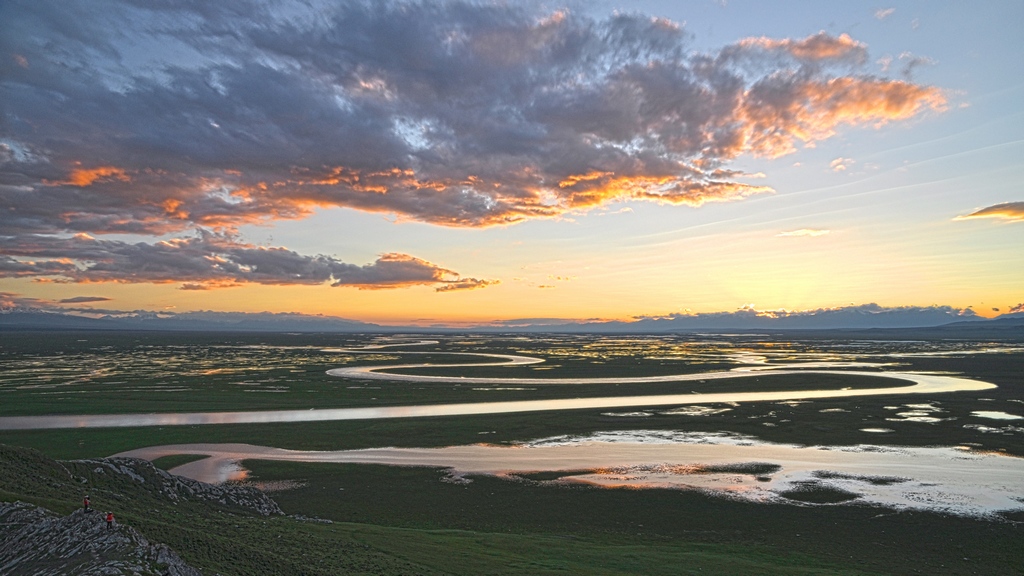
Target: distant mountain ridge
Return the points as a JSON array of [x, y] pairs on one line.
[[40, 319], [866, 317]]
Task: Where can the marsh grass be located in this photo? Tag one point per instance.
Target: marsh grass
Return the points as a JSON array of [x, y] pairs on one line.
[[175, 460], [117, 373], [233, 541], [813, 534], [408, 521]]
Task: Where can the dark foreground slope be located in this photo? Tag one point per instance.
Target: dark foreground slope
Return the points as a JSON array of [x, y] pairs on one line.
[[386, 520], [236, 530], [34, 540], [217, 530]]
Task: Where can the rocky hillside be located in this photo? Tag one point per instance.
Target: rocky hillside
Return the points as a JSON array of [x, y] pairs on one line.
[[173, 488], [166, 525], [35, 541]]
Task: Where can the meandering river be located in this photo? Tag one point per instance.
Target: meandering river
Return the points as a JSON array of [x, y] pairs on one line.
[[910, 383]]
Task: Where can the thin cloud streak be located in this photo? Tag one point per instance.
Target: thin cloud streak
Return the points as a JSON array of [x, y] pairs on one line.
[[883, 13], [84, 300], [812, 232], [1012, 211]]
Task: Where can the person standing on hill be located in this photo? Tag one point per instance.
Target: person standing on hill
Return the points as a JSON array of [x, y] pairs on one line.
[[85, 503], [110, 520]]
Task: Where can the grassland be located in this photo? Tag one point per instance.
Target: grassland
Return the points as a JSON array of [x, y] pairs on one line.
[[232, 541], [865, 538], [115, 373], [174, 460], [409, 521]]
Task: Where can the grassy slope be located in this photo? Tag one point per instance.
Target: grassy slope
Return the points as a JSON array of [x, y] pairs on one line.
[[230, 541], [174, 460], [215, 538], [861, 537]]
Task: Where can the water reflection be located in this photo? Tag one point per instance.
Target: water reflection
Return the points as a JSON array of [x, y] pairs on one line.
[[996, 415], [943, 479], [920, 384]]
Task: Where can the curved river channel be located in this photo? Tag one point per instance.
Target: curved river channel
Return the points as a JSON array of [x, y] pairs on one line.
[[944, 479], [908, 383]]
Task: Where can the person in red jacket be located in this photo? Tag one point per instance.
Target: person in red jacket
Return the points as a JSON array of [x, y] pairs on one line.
[[85, 503], [110, 520]]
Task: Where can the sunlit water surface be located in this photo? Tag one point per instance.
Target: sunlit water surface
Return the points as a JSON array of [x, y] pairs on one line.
[[919, 383], [950, 479], [946, 479]]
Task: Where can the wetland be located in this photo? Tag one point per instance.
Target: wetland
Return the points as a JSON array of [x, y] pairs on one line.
[[646, 418]]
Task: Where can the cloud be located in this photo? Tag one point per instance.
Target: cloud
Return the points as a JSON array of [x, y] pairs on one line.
[[820, 46], [883, 13], [840, 164], [86, 177], [1013, 211], [11, 301], [804, 232], [84, 299], [885, 62], [393, 270], [853, 316], [451, 113], [1016, 309], [911, 62], [528, 322], [465, 284], [210, 260]]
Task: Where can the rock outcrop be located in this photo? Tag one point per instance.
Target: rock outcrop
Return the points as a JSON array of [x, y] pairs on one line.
[[177, 488], [35, 541]]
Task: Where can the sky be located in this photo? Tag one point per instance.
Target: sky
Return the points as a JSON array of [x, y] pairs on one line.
[[462, 163]]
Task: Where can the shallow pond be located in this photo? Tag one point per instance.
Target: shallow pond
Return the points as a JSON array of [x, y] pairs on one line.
[[947, 479]]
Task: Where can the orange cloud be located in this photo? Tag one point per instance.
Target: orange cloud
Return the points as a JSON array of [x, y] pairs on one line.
[[171, 205], [600, 188], [792, 110], [820, 46], [625, 111], [208, 261], [466, 284], [840, 164], [211, 285], [85, 177], [575, 179], [1013, 211]]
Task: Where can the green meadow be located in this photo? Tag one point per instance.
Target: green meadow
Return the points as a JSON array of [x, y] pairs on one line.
[[393, 520]]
